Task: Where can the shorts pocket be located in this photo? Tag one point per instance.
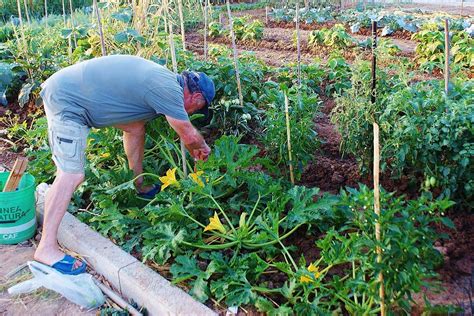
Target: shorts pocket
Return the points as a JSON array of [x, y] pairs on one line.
[[65, 146]]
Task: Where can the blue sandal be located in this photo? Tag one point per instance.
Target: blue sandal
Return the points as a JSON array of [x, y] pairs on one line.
[[66, 266], [151, 194]]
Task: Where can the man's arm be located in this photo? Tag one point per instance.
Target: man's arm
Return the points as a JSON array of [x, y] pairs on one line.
[[191, 138]]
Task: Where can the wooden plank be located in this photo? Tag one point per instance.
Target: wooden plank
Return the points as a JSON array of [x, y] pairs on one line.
[[15, 175]]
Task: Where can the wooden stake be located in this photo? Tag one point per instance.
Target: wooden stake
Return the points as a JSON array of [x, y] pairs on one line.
[[377, 212], [69, 41], [72, 24], [288, 137], [99, 26], [15, 174], [64, 12], [19, 13], [181, 20], [266, 14], [22, 31], [237, 74], [172, 48], [46, 10], [446, 57], [376, 170], [175, 70], [205, 29], [26, 12]]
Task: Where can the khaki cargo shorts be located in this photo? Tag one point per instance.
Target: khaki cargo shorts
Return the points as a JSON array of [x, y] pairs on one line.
[[68, 141]]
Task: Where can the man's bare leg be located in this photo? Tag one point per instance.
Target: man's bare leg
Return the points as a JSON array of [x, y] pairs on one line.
[[56, 204], [134, 145]]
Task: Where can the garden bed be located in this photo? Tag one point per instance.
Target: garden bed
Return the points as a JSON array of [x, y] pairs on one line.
[[238, 232]]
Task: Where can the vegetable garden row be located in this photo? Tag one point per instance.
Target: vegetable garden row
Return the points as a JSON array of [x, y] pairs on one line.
[[232, 232]]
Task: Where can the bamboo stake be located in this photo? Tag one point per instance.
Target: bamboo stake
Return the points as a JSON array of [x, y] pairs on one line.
[[298, 48], [69, 40], [72, 23], [172, 48], [288, 137], [46, 10], [19, 13], [181, 20], [376, 171], [26, 12], [99, 25], [22, 31], [205, 30], [175, 70], [377, 212], [446, 57], [64, 12], [266, 14], [144, 4], [237, 74]]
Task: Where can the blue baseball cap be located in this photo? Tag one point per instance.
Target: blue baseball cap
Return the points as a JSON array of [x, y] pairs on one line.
[[206, 85], [200, 82]]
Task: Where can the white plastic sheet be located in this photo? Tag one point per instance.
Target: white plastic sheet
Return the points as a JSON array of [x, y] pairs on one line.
[[79, 289]]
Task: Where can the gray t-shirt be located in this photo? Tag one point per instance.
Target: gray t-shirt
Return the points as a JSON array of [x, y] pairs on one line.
[[113, 90]]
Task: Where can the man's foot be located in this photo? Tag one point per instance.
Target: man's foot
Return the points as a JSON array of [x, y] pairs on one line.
[[68, 266], [54, 257], [149, 192]]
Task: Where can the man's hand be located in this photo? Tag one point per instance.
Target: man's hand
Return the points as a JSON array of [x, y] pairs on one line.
[[191, 138], [201, 153]]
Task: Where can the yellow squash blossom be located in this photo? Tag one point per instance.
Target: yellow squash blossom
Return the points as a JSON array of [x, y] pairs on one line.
[[169, 179], [315, 270], [195, 176], [105, 155], [215, 224], [305, 279]]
